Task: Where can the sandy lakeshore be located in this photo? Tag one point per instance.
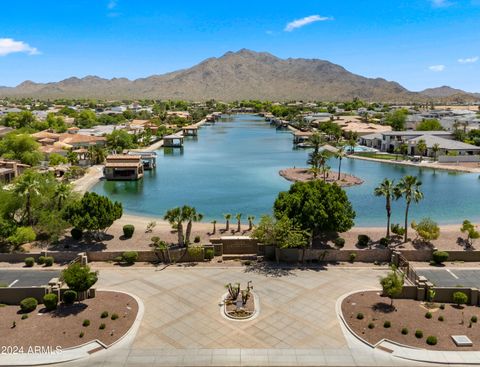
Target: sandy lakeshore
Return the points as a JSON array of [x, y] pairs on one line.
[[304, 174]]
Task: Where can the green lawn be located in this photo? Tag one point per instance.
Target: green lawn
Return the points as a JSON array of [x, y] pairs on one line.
[[387, 157]]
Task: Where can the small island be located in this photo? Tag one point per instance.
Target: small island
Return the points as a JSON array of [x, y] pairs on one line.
[[305, 174]]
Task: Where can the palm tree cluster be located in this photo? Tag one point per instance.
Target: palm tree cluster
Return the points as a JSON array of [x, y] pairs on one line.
[[409, 188], [177, 216]]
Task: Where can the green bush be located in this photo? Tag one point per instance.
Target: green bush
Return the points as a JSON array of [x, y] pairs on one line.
[[339, 242], [114, 316], [419, 334], [50, 301], [81, 334], [440, 257], [194, 251], [432, 340], [474, 319], [384, 241], [360, 316], [41, 260], [69, 296], [130, 257], [21, 236], [387, 324], [404, 331], [76, 234], [28, 304], [352, 257], [460, 298], [29, 262], [24, 317], [86, 323], [49, 261], [104, 314], [196, 239], [428, 315], [209, 254], [442, 306], [363, 240], [128, 230], [102, 326], [397, 229], [371, 325], [441, 318]]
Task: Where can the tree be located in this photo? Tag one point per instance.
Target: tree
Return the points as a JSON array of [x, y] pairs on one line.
[[120, 140], [55, 159], [429, 125], [97, 154], [62, 193], [214, 222], [316, 206], [190, 214], [392, 284], [397, 119], [72, 157], [427, 229], [403, 149], [20, 147], [409, 188], [280, 232], [86, 119], [175, 217], [79, 277], [471, 231], [339, 154], [28, 186], [316, 140], [250, 218], [421, 147], [435, 150], [238, 217], [93, 212], [227, 216], [387, 190]]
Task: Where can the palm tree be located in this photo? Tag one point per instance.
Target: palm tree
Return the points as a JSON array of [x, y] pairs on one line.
[[339, 154], [62, 192], [403, 148], [313, 161], [190, 214], [317, 140], [435, 150], [251, 218], [352, 142], [238, 216], [322, 161], [175, 218], [227, 219], [214, 222], [409, 188], [96, 154], [72, 157], [421, 148], [386, 189], [28, 186]]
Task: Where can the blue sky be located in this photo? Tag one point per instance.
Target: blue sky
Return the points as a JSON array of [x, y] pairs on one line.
[[420, 44]]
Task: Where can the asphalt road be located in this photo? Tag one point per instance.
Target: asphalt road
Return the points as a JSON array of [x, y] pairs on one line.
[[452, 277], [26, 278]]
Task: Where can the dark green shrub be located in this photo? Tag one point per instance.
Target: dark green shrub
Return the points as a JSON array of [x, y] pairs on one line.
[[428, 315], [339, 242], [194, 252], [384, 241], [387, 324], [209, 254], [419, 334], [76, 234], [104, 314], [441, 318], [397, 229], [352, 257], [28, 304], [442, 306], [128, 230], [49, 261], [432, 340], [50, 301], [102, 326], [474, 319], [130, 257], [114, 316], [460, 298], [360, 316], [81, 334], [196, 239], [29, 262], [404, 331], [440, 257], [86, 323], [363, 240], [41, 260], [69, 296], [371, 325], [24, 317]]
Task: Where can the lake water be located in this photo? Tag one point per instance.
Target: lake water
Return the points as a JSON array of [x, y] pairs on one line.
[[233, 168]]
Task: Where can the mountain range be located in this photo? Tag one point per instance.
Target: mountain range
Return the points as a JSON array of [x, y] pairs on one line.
[[241, 75]]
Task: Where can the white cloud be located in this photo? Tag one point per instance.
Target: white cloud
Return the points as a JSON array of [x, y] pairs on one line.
[[468, 60], [441, 3], [437, 68], [10, 46], [112, 4], [298, 23]]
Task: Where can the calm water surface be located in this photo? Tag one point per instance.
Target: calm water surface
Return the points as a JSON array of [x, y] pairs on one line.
[[233, 167]]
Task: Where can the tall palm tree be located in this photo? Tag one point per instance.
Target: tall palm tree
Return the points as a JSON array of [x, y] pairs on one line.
[[62, 192], [251, 218], [339, 154], [238, 216], [317, 140], [175, 217], [227, 216], [190, 214], [28, 186], [421, 148], [409, 188], [435, 150], [214, 222], [313, 161], [322, 161], [386, 189]]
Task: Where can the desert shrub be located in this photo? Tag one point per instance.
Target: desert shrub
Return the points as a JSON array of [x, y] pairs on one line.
[[86, 323], [432, 340], [41, 260], [352, 257], [29, 262], [69, 296], [196, 239], [387, 324], [418, 334], [397, 229], [102, 326], [363, 240], [76, 233], [81, 335], [114, 316], [209, 254], [441, 318], [194, 251], [21, 236], [442, 306], [440, 257], [339, 242], [384, 241], [371, 325], [128, 230], [28, 304], [130, 257], [404, 331], [474, 319], [460, 298], [50, 301], [24, 317], [49, 261], [360, 316], [104, 314], [428, 315]]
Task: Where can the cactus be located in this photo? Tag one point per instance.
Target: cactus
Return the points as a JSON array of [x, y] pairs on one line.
[[233, 290]]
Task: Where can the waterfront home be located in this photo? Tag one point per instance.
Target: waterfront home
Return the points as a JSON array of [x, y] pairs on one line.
[[149, 159], [10, 169], [123, 167], [173, 141]]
